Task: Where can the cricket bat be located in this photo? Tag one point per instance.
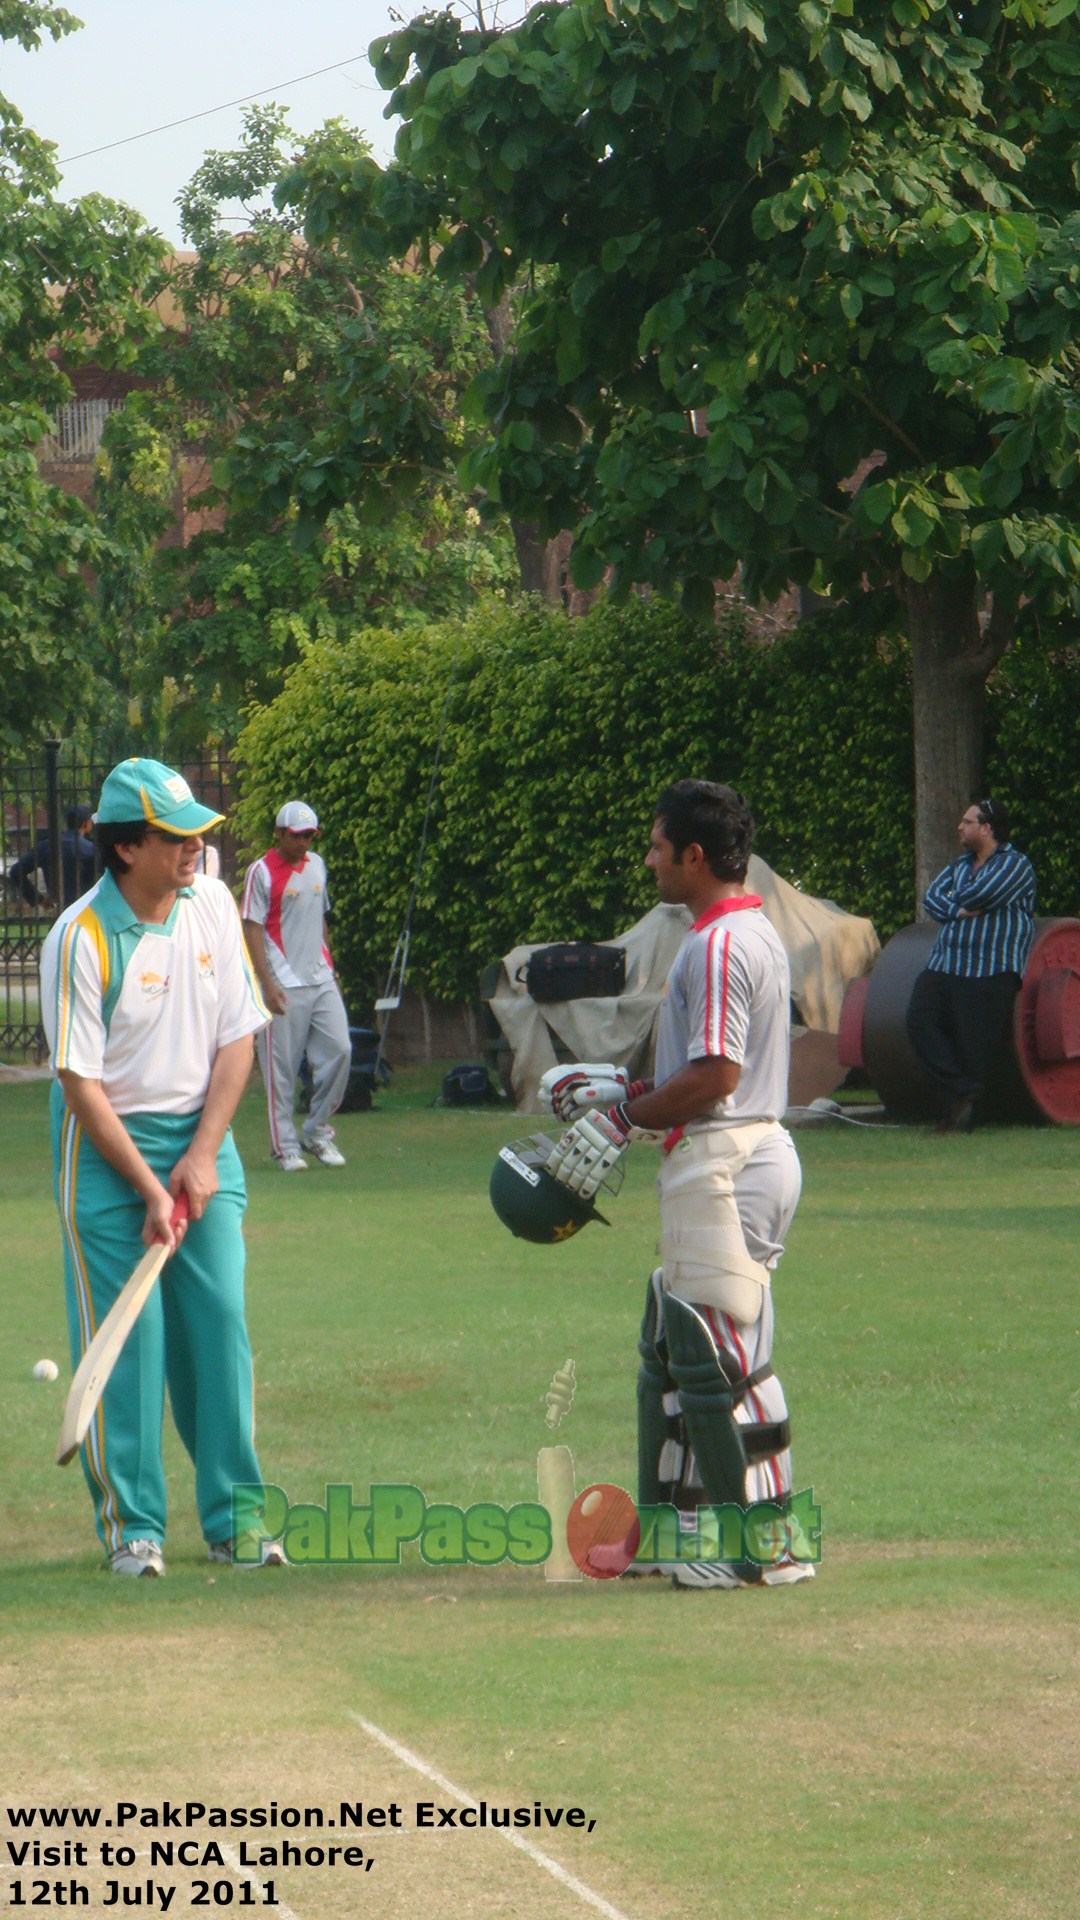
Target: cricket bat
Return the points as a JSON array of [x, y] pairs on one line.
[[101, 1356]]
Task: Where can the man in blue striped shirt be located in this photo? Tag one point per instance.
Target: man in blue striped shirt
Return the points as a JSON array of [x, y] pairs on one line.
[[962, 1002]]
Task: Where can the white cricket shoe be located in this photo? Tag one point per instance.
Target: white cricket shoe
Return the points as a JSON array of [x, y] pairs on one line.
[[786, 1573], [271, 1554], [320, 1142], [138, 1558], [293, 1163], [719, 1573], [707, 1573]]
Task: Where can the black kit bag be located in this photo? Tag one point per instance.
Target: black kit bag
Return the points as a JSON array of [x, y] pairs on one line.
[[468, 1085], [365, 1070], [574, 970]]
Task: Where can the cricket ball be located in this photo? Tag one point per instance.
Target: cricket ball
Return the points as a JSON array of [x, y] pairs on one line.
[[46, 1370], [603, 1531]]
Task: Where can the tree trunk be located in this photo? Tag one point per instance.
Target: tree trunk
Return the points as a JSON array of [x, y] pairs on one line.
[[541, 564], [952, 654]]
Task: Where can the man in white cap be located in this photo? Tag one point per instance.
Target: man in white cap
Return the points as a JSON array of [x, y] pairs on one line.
[[284, 911]]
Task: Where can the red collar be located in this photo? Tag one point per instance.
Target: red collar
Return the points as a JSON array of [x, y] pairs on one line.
[[735, 903], [276, 861]]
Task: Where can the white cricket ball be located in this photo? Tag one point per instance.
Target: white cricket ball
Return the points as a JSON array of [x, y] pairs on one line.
[[46, 1370]]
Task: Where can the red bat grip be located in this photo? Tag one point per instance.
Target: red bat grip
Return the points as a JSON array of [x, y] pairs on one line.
[[181, 1209]]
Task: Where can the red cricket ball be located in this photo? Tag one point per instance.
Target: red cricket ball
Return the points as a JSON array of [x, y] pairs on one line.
[[603, 1531]]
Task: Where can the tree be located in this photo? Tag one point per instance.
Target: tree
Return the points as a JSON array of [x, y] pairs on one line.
[[71, 282], [282, 364], [762, 248]]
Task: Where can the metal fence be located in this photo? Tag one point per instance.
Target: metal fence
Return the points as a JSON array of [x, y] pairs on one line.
[[43, 867], [76, 432]]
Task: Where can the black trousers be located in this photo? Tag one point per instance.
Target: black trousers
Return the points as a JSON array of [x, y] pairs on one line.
[[957, 1026]]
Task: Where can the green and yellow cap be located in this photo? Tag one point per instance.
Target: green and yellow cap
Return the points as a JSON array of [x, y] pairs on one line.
[[147, 790]]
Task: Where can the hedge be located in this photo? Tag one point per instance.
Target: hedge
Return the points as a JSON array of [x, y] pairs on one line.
[[561, 733]]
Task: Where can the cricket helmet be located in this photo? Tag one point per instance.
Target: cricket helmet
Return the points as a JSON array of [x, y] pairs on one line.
[[530, 1201]]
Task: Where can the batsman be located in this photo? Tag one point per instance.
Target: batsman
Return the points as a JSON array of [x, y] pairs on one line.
[[149, 1004], [712, 1419]]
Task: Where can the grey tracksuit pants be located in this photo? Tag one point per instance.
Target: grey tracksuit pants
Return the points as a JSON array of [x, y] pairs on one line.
[[317, 1023]]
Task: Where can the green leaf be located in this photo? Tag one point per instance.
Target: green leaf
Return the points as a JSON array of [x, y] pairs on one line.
[[875, 503], [587, 567], [796, 86], [699, 597], [1004, 386], [912, 524], [745, 19], [687, 114], [857, 101], [851, 300]]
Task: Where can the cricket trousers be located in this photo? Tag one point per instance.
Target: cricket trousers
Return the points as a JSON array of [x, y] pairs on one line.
[[727, 1198], [191, 1335], [316, 1024]]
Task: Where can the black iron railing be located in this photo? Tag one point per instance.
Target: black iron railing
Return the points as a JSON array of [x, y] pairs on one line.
[[43, 870]]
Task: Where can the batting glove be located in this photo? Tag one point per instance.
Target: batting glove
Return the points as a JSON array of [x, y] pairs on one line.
[[588, 1150], [568, 1091]]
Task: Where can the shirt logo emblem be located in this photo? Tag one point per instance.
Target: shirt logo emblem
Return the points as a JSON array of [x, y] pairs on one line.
[[154, 985], [206, 966]]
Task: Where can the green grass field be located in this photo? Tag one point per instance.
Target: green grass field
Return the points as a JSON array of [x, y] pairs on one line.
[[895, 1739]]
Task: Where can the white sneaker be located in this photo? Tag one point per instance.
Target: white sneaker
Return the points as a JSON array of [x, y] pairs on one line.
[[321, 1144], [719, 1573], [707, 1573], [293, 1163], [271, 1554], [786, 1573], [138, 1558]]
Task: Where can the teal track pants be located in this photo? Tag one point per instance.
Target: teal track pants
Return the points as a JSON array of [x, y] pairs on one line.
[[191, 1335]]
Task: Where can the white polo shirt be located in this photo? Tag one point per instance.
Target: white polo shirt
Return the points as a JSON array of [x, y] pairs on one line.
[[288, 900], [728, 996], [145, 1009]]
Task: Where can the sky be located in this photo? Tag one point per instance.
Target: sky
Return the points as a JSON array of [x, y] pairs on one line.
[[135, 64]]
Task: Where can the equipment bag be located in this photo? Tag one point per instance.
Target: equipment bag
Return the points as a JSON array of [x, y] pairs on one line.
[[365, 1069], [574, 970], [468, 1086]]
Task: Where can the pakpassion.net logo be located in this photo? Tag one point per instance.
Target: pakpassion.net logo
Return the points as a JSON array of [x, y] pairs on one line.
[[603, 1532]]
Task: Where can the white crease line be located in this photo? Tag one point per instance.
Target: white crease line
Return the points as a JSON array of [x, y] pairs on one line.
[[413, 1760]]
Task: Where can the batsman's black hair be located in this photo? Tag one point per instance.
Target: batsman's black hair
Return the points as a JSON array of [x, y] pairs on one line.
[[78, 816], [995, 816], [713, 817], [110, 834]]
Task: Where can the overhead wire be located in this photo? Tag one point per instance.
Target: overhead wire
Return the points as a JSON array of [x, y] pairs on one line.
[[167, 125]]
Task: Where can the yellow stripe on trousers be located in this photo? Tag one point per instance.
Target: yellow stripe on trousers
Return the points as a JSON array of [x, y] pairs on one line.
[[70, 1142]]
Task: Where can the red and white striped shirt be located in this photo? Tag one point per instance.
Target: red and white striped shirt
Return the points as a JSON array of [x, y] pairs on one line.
[[728, 996], [288, 901]]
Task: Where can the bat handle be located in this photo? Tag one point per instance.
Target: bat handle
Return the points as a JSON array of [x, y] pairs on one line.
[[180, 1212]]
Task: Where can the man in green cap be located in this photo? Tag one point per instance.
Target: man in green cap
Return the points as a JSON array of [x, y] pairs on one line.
[[150, 1007]]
